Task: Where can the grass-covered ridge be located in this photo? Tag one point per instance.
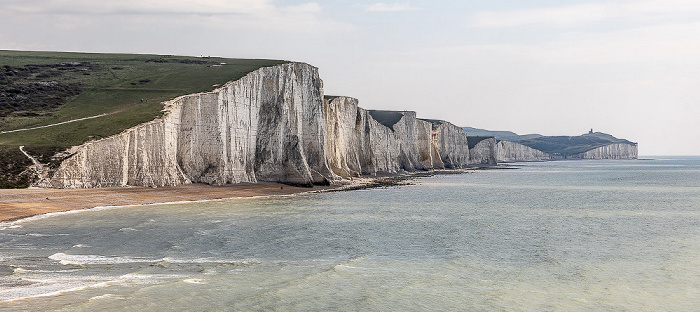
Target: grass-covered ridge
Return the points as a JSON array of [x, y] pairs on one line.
[[41, 88], [45, 88], [499, 135], [472, 141], [557, 145], [572, 145]]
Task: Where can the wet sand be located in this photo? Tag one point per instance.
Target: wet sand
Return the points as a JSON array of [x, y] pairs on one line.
[[17, 204], [22, 203]]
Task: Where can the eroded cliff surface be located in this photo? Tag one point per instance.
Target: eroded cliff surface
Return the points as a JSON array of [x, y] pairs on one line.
[[271, 125], [265, 126], [357, 143], [507, 151], [612, 151], [452, 145], [483, 153], [274, 124]]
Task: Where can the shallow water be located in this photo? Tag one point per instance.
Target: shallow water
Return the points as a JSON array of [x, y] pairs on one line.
[[555, 236]]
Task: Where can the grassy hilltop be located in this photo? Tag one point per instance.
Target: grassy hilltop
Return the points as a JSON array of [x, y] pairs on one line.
[[43, 88], [572, 145], [558, 145]]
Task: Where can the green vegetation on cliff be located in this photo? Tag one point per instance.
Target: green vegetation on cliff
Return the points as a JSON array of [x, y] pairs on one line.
[[42, 88], [474, 140], [45, 88], [557, 145], [499, 135], [572, 145]]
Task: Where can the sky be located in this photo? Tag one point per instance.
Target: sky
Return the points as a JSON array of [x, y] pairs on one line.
[[628, 68]]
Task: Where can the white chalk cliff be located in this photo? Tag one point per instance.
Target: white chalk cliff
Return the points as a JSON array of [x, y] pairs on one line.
[[484, 152], [612, 151], [271, 125], [275, 124], [507, 151]]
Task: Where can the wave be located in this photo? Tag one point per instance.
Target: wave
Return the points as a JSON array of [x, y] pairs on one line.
[[66, 259], [18, 223], [49, 286]]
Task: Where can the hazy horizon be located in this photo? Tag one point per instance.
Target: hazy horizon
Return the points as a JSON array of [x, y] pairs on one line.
[[621, 67]]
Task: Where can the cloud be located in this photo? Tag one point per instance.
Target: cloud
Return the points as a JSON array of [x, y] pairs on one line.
[[670, 44], [586, 13], [138, 7], [258, 15], [559, 16], [393, 7]]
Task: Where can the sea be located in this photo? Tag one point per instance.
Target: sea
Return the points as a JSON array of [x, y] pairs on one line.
[[545, 236]]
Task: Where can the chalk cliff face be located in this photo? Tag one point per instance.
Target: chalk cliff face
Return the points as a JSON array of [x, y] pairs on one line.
[[507, 151], [612, 151], [359, 144], [452, 145], [268, 125], [484, 152], [271, 125], [275, 125]]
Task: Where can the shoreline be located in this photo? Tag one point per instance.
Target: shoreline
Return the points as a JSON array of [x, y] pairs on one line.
[[22, 204]]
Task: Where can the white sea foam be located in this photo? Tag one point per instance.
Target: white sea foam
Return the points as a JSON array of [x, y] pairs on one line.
[[106, 296], [51, 284], [18, 223], [67, 259], [40, 290], [26, 271]]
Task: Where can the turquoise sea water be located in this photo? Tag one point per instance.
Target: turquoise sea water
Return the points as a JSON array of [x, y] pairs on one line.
[[554, 236]]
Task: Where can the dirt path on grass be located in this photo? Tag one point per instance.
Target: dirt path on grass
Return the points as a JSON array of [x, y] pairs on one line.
[[56, 124]]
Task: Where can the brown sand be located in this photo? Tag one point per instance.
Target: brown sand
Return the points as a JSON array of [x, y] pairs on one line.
[[22, 203]]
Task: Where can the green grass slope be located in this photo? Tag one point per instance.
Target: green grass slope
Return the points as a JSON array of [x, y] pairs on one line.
[[572, 145], [499, 135], [43, 88]]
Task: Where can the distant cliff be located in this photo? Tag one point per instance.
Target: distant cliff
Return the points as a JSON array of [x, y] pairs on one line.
[[482, 151], [507, 151], [612, 151], [535, 147], [271, 125]]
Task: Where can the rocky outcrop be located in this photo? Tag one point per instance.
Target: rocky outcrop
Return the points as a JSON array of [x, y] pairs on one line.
[[507, 151], [271, 125], [483, 152], [612, 151]]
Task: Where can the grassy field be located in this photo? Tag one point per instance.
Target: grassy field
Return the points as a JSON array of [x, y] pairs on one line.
[[131, 87], [42, 88], [572, 145]]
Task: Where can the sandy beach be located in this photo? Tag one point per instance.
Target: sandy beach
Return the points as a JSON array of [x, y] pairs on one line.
[[22, 203]]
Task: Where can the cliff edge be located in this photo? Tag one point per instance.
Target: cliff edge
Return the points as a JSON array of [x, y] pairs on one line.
[[271, 125]]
